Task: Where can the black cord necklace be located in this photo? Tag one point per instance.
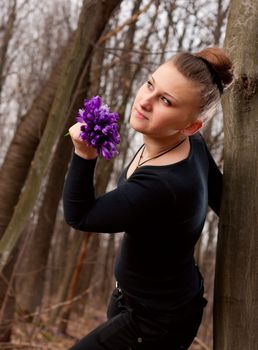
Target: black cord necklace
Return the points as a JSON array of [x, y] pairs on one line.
[[158, 155]]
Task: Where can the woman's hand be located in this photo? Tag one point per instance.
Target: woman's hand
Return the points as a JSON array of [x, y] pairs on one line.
[[81, 147]]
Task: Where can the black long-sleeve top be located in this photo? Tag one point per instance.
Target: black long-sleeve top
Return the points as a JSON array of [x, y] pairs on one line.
[[161, 210]]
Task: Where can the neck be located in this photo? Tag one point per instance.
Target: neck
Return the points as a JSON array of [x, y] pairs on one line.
[[156, 146]]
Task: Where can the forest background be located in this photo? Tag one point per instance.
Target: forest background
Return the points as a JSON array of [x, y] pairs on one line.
[[55, 281]]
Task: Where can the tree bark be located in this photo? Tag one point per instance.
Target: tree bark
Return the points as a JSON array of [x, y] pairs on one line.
[[236, 279]]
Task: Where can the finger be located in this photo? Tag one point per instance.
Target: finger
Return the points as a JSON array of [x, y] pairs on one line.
[[75, 131]]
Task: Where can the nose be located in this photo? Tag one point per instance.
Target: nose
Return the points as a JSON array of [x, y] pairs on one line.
[[146, 103]]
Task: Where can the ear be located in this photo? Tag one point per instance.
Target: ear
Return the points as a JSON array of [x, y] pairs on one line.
[[192, 128]]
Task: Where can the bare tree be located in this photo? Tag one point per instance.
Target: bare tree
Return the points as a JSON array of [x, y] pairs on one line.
[[236, 293], [24, 144], [89, 33]]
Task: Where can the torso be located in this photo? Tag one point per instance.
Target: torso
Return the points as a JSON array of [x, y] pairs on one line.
[[168, 201]]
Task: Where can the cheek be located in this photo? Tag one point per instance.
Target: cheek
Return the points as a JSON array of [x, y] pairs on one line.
[[168, 122], [139, 94]]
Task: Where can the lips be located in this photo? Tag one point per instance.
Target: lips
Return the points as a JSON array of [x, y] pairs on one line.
[[139, 115]]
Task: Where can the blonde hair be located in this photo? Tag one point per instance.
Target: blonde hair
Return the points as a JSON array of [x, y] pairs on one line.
[[212, 69]]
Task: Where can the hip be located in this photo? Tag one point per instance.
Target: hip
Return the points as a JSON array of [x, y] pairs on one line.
[[178, 326]]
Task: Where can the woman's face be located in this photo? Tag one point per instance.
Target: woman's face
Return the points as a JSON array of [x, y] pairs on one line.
[[166, 103]]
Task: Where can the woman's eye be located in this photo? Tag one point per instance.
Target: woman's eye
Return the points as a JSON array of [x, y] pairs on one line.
[[166, 101], [149, 84]]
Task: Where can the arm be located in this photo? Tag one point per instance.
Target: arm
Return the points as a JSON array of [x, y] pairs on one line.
[[116, 211], [82, 211]]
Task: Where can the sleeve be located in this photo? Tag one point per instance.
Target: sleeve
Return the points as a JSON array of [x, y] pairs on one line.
[[215, 181], [115, 211]]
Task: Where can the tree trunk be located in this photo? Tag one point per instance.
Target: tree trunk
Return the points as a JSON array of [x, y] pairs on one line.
[[36, 255], [92, 21], [8, 30], [61, 103], [17, 162], [68, 270], [72, 288], [7, 297], [236, 279], [87, 274], [106, 283], [24, 144], [58, 259]]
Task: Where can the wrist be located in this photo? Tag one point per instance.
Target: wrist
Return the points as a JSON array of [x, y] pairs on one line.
[[88, 155]]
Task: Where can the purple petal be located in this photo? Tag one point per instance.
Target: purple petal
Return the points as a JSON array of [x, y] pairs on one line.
[[101, 130]]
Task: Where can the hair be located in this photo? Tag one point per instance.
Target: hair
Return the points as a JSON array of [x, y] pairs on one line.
[[212, 69]]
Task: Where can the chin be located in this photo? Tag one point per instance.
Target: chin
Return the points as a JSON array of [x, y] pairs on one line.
[[134, 124]]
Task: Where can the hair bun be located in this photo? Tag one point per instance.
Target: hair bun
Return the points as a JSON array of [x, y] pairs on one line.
[[220, 62]]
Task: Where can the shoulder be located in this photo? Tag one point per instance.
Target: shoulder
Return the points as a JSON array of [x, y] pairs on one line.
[[199, 146]]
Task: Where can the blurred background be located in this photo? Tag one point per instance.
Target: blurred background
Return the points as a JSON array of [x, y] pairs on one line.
[[56, 282]]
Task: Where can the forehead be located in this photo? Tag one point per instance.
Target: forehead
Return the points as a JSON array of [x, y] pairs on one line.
[[170, 80]]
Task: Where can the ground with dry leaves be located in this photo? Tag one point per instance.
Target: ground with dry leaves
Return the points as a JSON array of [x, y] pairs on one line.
[[41, 336]]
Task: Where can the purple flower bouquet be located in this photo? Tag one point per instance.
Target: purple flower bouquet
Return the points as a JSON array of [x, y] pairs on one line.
[[101, 130]]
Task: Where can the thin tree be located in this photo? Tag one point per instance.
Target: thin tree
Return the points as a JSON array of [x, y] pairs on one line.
[[236, 279], [7, 30], [92, 21], [17, 161], [25, 142], [88, 32]]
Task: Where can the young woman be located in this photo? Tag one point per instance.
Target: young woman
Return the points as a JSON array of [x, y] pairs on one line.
[[160, 203]]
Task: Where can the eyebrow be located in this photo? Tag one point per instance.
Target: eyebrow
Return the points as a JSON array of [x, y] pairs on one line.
[[165, 93]]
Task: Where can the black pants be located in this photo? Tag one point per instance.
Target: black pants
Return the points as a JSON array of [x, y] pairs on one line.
[[132, 326]]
